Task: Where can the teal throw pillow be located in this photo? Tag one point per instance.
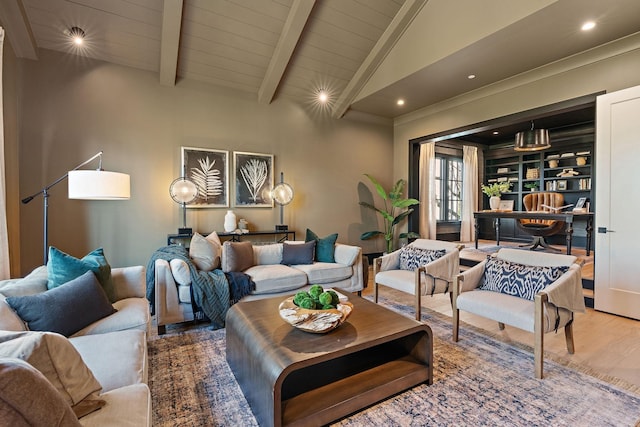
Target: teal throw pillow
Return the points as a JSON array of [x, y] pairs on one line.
[[325, 247], [63, 267]]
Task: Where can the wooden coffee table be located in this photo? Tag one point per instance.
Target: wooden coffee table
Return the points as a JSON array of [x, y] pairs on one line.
[[291, 377]]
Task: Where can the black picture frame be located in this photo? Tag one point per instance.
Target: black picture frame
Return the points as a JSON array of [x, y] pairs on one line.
[[209, 169], [253, 179]]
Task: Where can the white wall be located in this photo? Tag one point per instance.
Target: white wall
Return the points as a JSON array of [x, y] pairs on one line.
[[70, 108]]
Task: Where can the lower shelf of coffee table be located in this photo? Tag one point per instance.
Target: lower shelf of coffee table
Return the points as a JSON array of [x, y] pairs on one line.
[[348, 395]]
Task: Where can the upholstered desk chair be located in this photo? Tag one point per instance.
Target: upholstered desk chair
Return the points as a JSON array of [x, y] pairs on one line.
[[423, 267], [541, 228], [506, 288]]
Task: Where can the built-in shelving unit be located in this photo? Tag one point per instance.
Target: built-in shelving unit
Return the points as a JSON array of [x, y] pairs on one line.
[[566, 168]]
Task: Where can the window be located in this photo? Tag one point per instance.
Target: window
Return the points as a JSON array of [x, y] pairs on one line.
[[449, 188]]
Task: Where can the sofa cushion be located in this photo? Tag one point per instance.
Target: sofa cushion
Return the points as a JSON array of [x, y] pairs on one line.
[[19, 384], [128, 406], [63, 267], [184, 294], [9, 319], [117, 359], [276, 278], [298, 253], [132, 313], [347, 254], [56, 358], [325, 247], [34, 283], [325, 272], [237, 256], [205, 252], [519, 280], [412, 257], [267, 254], [180, 271], [65, 309]]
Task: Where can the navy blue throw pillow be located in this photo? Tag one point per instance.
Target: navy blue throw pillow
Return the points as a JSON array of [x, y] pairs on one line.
[[65, 309], [519, 280], [296, 254]]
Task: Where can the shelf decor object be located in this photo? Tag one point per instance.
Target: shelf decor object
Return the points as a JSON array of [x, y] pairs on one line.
[[532, 140], [282, 194], [85, 185], [183, 191]]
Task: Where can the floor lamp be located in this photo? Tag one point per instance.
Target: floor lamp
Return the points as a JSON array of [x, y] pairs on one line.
[[85, 185]]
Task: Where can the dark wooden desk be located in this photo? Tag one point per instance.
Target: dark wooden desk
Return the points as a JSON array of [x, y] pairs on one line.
[[568, 217]]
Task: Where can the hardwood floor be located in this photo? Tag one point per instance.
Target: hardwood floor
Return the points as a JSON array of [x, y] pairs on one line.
[[608, 345]]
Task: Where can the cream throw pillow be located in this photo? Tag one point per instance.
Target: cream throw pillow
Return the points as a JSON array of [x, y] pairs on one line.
[[205, 251], [180, 272], [57, 359]]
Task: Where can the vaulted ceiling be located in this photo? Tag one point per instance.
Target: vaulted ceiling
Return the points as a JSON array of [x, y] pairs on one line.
[[293, 48]]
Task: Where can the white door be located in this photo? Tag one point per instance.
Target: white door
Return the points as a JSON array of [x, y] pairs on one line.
[[617, 199]]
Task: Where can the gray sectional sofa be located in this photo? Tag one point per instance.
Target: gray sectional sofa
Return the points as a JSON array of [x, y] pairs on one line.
[[264, 265]]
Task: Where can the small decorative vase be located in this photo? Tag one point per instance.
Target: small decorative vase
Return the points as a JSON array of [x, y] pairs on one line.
[[494, 202], [229, 222]]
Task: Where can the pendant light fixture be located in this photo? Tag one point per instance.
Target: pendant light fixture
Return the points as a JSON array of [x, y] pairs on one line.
[[532, 140]]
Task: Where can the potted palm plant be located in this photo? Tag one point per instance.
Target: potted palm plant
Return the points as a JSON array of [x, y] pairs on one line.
[[396, 208]]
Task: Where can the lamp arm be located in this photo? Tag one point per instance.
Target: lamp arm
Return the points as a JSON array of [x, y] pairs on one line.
[[57, 181]]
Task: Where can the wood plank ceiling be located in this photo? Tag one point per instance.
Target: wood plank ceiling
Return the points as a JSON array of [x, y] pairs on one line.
[[293, 48]]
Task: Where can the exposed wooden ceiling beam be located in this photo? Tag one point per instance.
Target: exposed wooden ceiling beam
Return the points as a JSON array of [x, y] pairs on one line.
[[394, 31], [18, 31], [291, 32], [170, 43]]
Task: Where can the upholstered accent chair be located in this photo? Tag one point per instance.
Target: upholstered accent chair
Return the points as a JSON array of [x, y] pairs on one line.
[[537, 292], [541, 228], [423, 267]]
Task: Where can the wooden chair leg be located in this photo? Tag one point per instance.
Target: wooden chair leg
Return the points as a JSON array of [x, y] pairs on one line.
[[568, 335], [418, 294], [162, 329], [454, 307], [538, 332], [375, 292], [501, 326]]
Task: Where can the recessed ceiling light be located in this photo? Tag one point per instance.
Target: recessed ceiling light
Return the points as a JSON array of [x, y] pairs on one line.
[[323, 96], [495, 132], [77, 35], [590, 25], [400, 102], [471, 76]]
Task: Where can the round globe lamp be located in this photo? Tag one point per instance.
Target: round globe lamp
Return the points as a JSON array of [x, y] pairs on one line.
[[183, 191]]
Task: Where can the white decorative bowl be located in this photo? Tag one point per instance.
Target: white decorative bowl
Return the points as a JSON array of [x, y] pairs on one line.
[[314, 321]]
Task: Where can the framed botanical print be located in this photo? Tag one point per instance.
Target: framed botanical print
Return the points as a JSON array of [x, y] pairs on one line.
[[209, 171], [253, 178]]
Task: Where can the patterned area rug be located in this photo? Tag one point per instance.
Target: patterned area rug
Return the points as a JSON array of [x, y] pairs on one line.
[[479, 381]]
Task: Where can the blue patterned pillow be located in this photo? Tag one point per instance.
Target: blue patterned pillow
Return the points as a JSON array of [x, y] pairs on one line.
[[523, 281], [412, 257]]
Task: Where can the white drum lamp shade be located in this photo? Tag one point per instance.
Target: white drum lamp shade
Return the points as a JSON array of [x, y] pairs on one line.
[[99, 185]]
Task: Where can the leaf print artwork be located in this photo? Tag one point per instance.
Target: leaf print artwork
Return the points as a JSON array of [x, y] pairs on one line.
[[208, 169], [253, 179], [254, 174], [207, 179]]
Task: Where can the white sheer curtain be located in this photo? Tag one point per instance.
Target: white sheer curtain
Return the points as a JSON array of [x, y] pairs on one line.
[[469, 191], [428, 207], [5, 268]]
